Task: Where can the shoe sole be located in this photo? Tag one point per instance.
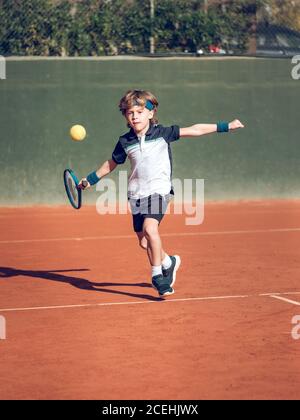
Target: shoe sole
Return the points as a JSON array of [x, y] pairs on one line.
[[164, 294], [177, 265], [167, 293]]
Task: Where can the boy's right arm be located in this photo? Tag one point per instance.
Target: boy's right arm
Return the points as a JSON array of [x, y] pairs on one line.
[[107, 167]]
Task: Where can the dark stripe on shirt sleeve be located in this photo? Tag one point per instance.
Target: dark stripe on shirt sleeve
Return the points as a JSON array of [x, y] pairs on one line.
[[171, 133], [119, 155]]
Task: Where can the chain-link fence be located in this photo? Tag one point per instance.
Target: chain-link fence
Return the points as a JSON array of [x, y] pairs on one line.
[[160, 27]]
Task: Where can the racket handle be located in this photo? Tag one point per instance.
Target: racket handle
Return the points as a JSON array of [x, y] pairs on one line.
[[84, 184]]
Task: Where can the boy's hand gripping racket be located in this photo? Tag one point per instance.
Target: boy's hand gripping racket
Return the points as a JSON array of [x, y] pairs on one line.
[[73, 189]]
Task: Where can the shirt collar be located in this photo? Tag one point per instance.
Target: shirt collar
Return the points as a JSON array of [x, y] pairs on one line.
[[150, 131]]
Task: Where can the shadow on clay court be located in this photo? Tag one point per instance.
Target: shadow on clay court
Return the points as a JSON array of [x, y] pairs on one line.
[[54, 275]]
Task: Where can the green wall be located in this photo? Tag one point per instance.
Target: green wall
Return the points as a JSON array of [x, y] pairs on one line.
[[41, 99]]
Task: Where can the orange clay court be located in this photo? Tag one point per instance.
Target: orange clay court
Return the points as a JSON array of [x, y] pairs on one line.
[[83, 322]]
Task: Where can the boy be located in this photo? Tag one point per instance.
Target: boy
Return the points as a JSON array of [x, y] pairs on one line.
[[147, 146]]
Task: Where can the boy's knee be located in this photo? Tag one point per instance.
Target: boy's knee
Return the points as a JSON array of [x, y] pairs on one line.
[[150, 230]]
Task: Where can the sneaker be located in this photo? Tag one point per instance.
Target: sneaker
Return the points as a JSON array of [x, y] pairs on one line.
[[161, 284], [170, 273]]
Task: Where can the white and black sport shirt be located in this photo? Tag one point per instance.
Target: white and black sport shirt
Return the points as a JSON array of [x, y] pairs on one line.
[[151, 160]]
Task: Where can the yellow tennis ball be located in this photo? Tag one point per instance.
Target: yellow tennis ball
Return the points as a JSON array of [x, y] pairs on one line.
[[78, 133]]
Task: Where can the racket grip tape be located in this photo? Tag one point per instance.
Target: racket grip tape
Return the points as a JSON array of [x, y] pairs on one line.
[[84, 184]]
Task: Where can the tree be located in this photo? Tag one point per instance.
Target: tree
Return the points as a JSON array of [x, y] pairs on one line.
[[105, 27], [283, 12], [34, 27], [110, 27], [238, 20]]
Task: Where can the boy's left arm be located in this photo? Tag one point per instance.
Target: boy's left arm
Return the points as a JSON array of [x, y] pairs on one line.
[[202, 129]]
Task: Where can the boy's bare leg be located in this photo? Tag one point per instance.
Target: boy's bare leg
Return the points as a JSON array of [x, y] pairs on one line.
[[159, 282], [154, 249], [144, 245]]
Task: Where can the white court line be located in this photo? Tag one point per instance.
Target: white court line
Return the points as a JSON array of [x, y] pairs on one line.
[[293, 302], [166, 235], [279, 293], [89, 305]]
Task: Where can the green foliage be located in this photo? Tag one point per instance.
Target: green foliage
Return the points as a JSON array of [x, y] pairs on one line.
[[116, 27], [233, 24], [284, 12], [107, 27], [34, 27], [182, 25]]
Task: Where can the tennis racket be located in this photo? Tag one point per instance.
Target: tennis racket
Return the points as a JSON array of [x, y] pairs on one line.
[[74, 192]]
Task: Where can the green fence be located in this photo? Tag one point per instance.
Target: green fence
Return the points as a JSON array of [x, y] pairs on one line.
[[41, 99]]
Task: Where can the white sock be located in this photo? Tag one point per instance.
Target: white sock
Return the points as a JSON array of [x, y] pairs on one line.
[[156, 270], [167, 262]]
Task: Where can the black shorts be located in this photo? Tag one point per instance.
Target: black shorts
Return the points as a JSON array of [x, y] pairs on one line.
[[153, 207]]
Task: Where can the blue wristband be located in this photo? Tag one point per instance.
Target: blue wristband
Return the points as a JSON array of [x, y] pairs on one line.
[[222, 127], [93, 178]]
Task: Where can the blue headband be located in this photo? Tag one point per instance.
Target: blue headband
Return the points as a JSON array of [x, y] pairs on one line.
[[149, 105]]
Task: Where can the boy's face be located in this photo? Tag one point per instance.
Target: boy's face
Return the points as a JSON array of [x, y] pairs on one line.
[[138, 117]]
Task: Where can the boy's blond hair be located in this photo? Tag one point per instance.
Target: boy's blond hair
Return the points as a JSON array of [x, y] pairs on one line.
[[140, 98]]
